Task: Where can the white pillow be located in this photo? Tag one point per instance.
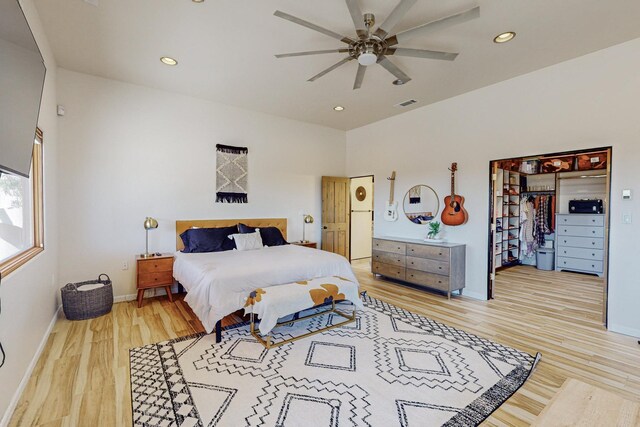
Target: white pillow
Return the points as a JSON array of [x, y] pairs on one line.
[[247, 241]]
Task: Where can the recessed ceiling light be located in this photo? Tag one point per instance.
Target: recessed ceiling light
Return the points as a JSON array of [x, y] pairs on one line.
[[338, 108], [198, 1], [168, 60], [504, 37], [398, 82]]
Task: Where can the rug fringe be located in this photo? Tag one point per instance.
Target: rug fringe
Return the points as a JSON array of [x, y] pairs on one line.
[[231, 149]]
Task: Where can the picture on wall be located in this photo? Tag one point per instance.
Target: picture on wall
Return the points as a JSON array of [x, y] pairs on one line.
[[232, 169]]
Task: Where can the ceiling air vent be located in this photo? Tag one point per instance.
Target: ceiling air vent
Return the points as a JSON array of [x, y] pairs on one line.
[[406, 103]]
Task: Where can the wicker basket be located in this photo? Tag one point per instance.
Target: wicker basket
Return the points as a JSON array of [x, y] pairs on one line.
[[80, 305]]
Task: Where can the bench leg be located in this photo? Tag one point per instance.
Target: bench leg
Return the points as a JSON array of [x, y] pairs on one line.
[[218, 331]]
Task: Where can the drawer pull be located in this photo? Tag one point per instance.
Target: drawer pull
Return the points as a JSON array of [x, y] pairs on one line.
[[593, 243], [565, 241], [593, 266], [440, 254], [439, 268], [593, 255], [594, 231], [439, 281]]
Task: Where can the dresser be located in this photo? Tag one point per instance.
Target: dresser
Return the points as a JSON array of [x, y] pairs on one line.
[[580, 243], [439, 266]]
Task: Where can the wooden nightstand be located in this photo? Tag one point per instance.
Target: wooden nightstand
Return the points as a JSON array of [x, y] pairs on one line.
[[154, 272], [313, 245]]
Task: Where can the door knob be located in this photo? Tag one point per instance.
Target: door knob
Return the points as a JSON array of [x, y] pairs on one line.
[[324, 227]]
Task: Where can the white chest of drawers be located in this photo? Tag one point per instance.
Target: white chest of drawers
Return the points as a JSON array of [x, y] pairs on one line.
[[438, 266], [580, 243]]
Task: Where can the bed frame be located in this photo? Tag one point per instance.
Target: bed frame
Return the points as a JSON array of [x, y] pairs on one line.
[[184, 225]]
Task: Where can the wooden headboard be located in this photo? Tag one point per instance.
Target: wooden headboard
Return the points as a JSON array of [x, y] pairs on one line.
[[182, 226]]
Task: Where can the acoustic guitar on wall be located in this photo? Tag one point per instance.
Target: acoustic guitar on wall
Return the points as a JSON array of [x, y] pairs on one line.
[[454, 212], [391, 210]]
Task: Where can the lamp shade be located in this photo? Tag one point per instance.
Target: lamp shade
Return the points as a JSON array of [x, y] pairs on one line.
[[308, 219], [150, 223]]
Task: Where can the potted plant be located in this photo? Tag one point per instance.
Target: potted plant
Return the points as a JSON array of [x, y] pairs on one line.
[[434, 230]]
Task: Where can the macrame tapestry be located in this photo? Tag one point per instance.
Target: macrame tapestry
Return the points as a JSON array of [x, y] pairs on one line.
[[231, 174]]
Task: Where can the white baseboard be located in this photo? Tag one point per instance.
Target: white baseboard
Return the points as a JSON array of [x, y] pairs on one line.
[[27, 375], [474, 295], [624, 330], [124, 298], [149, 293]]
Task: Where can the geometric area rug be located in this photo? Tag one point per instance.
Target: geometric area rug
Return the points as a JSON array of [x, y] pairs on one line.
[[389, 368]]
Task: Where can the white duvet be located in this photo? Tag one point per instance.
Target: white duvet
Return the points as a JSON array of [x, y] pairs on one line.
[[218, 283]]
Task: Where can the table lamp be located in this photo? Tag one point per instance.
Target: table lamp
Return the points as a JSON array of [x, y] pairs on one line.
[[307, 219], [149, 224]]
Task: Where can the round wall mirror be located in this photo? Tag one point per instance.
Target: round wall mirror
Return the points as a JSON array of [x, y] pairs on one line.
[[361, 193], [421, 204]]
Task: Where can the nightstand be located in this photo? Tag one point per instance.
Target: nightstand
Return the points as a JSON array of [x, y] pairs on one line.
[[154, 272], [313, 245]]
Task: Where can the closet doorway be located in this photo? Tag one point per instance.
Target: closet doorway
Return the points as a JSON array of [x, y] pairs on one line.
[[548, 231]]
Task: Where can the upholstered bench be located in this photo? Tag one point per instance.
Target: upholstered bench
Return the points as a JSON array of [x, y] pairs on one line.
[[276, 302]]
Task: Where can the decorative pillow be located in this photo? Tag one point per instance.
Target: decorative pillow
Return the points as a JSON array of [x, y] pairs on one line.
[[198, 240], [271, 236], [247, 241]]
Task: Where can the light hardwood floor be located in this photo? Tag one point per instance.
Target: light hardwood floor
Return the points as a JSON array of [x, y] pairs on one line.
[[82, 378]]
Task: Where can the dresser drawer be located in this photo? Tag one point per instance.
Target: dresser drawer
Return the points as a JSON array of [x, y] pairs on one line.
[[431, 252], [579, 219], [428, 279], [388, 258], [584, 253], [155, 265], [389, 246], [580, 231], [150, 280], [580, 242], [428, 265], [580, 264], [392, 271]]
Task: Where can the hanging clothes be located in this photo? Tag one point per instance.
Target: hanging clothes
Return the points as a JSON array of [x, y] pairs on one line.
[[527, 223], [542, 217]]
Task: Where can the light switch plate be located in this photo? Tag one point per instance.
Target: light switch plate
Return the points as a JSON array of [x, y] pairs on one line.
[[626, 194], [626, 218]]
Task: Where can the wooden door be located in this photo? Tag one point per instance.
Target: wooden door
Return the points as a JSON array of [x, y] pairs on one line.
[[335, 215]]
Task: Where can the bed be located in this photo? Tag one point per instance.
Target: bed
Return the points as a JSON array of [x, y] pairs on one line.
[[218, 283]]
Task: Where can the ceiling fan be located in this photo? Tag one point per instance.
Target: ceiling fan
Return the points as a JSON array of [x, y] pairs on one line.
[[374, 47]]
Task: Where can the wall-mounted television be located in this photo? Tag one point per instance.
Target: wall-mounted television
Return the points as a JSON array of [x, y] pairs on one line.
[[22, 73]]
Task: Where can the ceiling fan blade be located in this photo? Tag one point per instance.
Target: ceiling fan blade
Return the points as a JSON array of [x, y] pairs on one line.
[[328, 70], [315, 27], [393, 69], [392, 20], [421, 53], [438, 24], [311, 52], [358, 18], [359, 76]]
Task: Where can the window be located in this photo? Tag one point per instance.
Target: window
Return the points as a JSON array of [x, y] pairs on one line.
[[21, 214]]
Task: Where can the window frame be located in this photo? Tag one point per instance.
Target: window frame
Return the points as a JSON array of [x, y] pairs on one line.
[[21, 258]]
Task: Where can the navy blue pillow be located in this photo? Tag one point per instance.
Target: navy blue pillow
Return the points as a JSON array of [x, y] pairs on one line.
[[271, 236], [197, 240]]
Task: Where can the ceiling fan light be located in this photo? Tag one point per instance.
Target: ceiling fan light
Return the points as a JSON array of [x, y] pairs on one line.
[[367, 59]]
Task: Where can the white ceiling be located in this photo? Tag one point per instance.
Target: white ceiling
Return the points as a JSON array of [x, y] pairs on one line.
[[226, 48]]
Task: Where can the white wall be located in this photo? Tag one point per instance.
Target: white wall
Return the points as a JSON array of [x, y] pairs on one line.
[[587, 102], [127, 152], [29, 294]]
